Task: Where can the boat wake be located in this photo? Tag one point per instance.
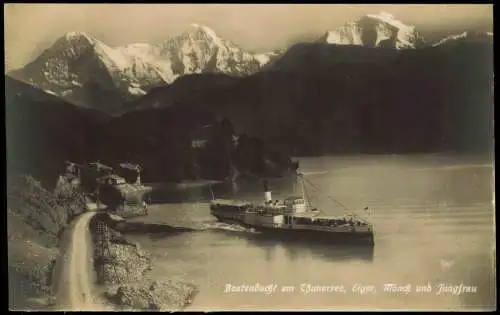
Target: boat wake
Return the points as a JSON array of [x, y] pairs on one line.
[[314, 173], [225, 227]]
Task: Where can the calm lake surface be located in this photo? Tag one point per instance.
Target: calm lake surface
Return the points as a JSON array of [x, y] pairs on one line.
[[434, 224]]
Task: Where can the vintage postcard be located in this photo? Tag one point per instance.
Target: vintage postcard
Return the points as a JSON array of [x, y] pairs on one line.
[[208, 157]]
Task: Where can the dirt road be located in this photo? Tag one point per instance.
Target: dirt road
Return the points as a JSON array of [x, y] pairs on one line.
[[74, 271]]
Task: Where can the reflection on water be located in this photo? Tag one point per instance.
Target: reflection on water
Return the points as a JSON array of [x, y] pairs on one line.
[[433, 221], [299, 249]]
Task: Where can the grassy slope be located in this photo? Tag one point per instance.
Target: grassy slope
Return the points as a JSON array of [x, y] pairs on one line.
[[35, 220]]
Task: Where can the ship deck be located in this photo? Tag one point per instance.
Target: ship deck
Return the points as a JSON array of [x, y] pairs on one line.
[[234, 203], [319, 216], [280, 210]]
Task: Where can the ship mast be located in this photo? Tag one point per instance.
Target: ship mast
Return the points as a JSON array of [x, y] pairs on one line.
[[302, 188], [211, 191], [98, 201], [305, 196]]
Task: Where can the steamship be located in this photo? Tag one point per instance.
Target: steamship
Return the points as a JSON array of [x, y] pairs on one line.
[[293, 217]]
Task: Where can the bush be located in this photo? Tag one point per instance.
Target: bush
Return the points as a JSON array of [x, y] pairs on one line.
[[46, 212]]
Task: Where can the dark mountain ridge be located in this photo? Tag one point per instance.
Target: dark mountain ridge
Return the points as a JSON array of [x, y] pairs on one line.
[[322, 98], [44, 131]]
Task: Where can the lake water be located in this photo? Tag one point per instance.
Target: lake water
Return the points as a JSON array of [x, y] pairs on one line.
[[434, 224]]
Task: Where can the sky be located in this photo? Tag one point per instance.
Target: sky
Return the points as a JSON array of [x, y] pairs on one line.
[[30, 28]]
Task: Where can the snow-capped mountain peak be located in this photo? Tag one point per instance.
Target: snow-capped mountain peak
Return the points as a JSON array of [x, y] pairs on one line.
[[73, 43], [84, 70], [210, 32], [375, 30], [389, 19], [76, 35], [199, 49]]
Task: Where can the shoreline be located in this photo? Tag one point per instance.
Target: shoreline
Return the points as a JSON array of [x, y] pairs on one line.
[[35, 259], [122, 268]]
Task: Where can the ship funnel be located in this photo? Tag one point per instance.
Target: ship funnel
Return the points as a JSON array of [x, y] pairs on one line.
[[267, 193]]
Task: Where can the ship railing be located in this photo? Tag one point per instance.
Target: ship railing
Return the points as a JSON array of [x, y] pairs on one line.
[[341, 228], [329, 222], [275, 210], [356, 217]]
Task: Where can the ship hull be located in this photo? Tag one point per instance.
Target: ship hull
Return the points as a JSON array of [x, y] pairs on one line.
[[317, 236], [231, 219], [228, 213], [340, 238]]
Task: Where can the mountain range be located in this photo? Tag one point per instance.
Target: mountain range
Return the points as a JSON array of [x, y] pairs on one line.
[[86, 72], [315, 98]]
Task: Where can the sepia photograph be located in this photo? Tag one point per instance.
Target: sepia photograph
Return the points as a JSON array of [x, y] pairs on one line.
[[250, 157]]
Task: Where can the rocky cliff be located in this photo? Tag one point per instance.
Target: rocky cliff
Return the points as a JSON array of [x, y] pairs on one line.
[[122, 266]]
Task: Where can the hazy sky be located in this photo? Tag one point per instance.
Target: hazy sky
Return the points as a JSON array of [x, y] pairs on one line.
[[30, 28]]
